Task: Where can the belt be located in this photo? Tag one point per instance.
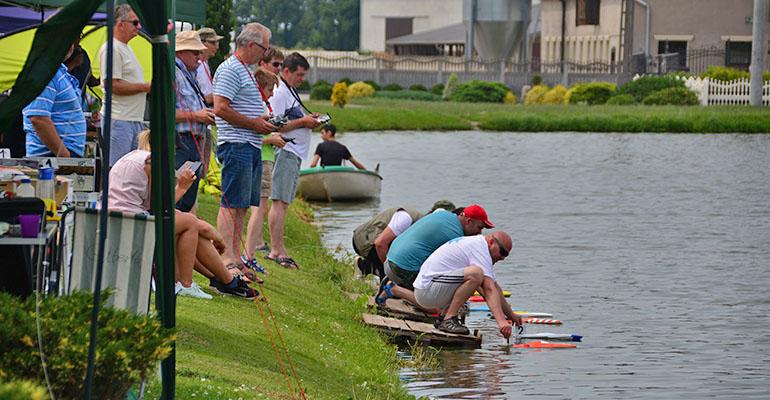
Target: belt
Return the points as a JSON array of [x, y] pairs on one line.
[[188, 133]]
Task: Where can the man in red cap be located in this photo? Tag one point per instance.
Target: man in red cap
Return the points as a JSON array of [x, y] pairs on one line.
[[410, 249]]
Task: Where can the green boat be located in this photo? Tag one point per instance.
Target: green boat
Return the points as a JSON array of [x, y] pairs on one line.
[[339, 183]]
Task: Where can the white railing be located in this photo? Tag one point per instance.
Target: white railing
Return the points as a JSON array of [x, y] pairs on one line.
[[713, 92]]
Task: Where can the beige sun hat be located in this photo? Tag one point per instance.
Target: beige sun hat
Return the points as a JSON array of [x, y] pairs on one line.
[[208, 34], [189, 40]]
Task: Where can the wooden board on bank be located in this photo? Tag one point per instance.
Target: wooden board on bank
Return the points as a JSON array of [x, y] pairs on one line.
[[426, 333], [398, 308]]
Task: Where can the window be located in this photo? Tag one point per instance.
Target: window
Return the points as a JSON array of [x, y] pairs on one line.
[[674, 46], [738, 54], [395, 27], [587, 12]]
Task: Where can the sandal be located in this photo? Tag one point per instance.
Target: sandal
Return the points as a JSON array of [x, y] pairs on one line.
[[286, 262], [265, 248], [252, 264], [385, 286]]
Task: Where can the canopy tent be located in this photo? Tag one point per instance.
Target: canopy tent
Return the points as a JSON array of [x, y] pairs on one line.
[[49, 47], [193, 11]]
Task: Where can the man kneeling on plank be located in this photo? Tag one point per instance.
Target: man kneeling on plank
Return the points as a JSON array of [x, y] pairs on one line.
[[457, 269]]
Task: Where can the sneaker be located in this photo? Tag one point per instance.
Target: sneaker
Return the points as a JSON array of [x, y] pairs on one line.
[[453, 325], [239, 289], [193, 291], [438, 321]]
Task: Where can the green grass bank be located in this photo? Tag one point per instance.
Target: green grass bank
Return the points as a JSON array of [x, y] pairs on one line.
[[224, 350], [373, 114]]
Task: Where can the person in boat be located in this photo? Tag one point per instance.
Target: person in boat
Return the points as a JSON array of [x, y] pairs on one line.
[[331, 152], [372, 239], [461, 266], [198, 246], [286, 102], [410, 249]]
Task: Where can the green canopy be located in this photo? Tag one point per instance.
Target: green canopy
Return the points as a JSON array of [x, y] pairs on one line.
[[193, 11]]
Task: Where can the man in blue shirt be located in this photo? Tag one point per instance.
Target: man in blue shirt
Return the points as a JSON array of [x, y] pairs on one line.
[[54, 121], [192, 115], [409, 250]]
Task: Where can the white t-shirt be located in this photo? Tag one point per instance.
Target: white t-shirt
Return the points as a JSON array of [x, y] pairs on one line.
[[203, 77], [455, 254], [399, 222], [125, 66], [285, 103]]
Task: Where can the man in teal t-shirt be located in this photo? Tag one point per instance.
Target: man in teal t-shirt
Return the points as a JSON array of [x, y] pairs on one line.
[[410, 249]]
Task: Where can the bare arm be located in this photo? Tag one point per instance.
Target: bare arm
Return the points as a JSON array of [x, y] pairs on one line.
[[316, 158], [123, 88], [223, 109], [203, 116], [382, 243], [493, 297], [356, 163], [308, 121], [206, 231], [183, 184], [46, 131], [507, 310]]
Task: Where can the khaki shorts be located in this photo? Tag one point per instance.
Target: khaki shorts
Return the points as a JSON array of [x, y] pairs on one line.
[[267, 178]]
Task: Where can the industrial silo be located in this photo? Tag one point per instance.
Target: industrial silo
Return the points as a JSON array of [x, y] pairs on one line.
[[496, 27]]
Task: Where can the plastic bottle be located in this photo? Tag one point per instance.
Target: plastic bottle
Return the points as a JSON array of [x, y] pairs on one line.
[[44, 189], [25, 188]]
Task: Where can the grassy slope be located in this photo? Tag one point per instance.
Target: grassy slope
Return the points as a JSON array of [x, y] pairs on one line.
[[224, 350], [386, 114]]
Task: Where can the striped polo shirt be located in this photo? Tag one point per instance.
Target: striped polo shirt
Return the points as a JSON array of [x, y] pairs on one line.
[[235, 82], [59, 101]]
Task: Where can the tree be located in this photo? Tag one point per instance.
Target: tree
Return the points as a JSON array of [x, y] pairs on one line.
[[219, 16]]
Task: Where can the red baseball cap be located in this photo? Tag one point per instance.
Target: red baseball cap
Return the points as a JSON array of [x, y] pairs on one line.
[[475, 211]]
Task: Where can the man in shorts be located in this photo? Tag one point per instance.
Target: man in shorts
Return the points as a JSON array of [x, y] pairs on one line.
[[450, 276]]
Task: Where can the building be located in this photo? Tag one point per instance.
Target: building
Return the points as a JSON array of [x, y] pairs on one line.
[[700, 32]]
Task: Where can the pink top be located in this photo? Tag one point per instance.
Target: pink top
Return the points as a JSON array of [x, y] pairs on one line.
[[129, 185]]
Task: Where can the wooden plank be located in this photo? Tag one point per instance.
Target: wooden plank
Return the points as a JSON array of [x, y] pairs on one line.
[[403, 329]]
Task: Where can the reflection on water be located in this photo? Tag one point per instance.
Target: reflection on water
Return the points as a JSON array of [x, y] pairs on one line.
[[654, 247]]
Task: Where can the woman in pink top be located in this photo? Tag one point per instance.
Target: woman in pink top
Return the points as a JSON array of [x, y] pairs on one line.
[[130, 192]]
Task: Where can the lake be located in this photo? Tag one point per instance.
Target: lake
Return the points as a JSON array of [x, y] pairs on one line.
[[654, 247]]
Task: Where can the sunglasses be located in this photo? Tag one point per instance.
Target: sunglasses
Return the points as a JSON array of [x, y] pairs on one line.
[[263, 47], [277, 64], [134, 22], [503, 252]]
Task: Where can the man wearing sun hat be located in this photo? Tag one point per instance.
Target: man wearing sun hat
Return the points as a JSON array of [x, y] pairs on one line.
[[410, 249], [192, 115], [205, 78]]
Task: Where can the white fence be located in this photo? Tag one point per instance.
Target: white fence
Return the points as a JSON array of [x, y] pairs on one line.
[[713, 92]]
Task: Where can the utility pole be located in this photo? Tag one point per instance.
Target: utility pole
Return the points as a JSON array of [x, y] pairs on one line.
[[471, 27], [627, 35], [758, 51], [564, 72]]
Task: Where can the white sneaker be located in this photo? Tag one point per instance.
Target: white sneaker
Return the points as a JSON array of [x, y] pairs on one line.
[[193, 291]]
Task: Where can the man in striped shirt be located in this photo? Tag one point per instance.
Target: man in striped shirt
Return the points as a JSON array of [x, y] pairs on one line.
[[241, 124], [54, 121]]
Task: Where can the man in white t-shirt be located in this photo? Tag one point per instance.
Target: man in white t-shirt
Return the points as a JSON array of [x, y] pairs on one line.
[[296, 133], [458, 268], [129, 89]]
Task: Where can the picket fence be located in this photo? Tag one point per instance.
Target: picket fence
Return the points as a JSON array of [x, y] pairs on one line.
[[714, 92]]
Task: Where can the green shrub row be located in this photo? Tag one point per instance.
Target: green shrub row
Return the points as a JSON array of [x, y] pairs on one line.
[[408, 95]]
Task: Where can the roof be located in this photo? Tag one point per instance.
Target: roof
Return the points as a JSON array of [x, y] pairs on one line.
[[450, 34]]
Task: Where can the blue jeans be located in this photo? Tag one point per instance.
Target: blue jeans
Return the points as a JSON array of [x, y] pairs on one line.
[[241, 174], [187, 150], [123, 138]]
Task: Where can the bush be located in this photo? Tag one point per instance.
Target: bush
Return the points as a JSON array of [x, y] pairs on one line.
[[510, 98], [322, 82], [408, 95], [677, 96], [418, 87], [345, 80], [360, 89], [536, 80], [373, 84], [451, 87], [555, 96], [480, 92], [621, 100], [535, 95], [340, 94], [393, 87], [591, 93], [437, 89], [724, 73], [304, 86], [321, 92], [646, 85], [22, 390], [128, 346]]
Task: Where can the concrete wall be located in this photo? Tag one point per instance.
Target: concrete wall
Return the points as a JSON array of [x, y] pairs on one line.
[[427, 14], [584, 43], [704, 23]]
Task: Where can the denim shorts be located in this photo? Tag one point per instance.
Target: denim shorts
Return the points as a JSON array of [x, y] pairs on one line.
[[241, 174], [285, 176], [187, 149]]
